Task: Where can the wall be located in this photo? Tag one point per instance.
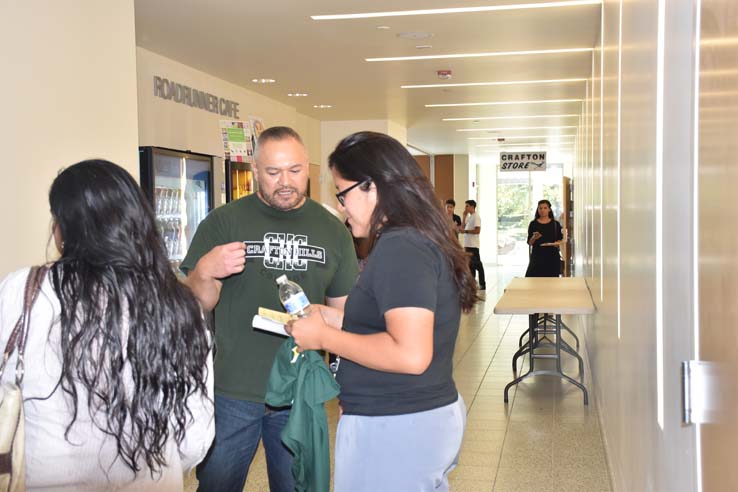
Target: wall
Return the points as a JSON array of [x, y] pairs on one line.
[[165, 123], [70, 95], [632, 229], [716, 184], [461, 178], [424, 162], [485, 194], [332, 132], [443, 176]]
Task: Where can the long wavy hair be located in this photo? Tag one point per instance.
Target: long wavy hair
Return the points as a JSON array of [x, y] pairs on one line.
[[124, 315], [405, 198]]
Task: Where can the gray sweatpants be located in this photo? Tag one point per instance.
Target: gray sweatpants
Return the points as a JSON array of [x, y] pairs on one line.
[[400, 453]]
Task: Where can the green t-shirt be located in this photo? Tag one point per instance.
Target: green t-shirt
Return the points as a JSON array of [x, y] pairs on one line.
[[308, 244]]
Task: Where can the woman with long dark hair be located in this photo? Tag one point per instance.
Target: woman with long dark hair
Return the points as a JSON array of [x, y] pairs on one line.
[[118, 380], [544, 238], [402, 418]]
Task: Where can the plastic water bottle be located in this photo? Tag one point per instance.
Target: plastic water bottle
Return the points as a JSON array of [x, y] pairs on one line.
[[293, 298]]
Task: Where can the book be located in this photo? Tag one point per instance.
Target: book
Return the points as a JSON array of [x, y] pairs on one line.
[[271, 321]]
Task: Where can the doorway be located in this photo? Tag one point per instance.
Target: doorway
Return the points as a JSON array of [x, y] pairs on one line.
[[517, 198]]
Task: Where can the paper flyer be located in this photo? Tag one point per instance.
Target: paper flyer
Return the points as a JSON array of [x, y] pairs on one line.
[[237, 140]]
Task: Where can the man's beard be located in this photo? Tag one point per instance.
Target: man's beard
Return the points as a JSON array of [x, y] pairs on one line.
[[274, 202]]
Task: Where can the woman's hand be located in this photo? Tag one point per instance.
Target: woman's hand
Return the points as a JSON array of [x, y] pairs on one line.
[[535, 237], [333, 317], [309, 332]]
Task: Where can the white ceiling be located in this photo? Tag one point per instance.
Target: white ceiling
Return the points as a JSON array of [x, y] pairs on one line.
[[241, 40]]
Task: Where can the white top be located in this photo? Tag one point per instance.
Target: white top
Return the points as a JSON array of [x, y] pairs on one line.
[[472, 222], [86, 462]]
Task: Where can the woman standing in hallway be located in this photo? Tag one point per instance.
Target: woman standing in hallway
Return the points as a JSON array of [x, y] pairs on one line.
[[118, 379], [403, 419], [544, 238]]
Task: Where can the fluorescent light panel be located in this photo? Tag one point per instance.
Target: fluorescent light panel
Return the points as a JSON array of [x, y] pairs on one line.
[[510, 129], [513, 117], [480, 55], [502, 103], [458, 10], [526, 144], [485, 84], [506, 137], [524, 147]]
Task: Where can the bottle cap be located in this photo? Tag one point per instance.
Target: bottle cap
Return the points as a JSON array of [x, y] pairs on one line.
[[282, 279]]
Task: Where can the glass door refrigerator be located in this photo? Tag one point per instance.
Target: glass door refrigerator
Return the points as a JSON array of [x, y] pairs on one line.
[[180, 188], [239, 180]]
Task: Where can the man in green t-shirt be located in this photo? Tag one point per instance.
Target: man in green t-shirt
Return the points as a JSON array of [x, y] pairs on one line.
[[235, 257]]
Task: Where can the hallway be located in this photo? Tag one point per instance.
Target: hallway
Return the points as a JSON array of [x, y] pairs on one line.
[[545, 440]]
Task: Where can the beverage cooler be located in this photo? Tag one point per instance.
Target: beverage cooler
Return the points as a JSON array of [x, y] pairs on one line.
[[180, 188], [239, 180]]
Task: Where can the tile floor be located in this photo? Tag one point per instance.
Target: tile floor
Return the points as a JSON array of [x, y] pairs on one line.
[[544, 439]]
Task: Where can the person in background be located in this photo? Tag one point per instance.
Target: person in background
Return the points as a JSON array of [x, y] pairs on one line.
[[118, 374], [544, 239], [237, 253], [470, 228], [402, 418], [450, 205]]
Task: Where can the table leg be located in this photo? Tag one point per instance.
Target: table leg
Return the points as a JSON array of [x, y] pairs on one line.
[[558, 362]]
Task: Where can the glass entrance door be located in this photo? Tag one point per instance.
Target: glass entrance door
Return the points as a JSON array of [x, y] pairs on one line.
[[517, 198]]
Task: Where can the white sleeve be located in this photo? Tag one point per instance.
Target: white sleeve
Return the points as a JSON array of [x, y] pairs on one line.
[[12, 289], [200, 429]]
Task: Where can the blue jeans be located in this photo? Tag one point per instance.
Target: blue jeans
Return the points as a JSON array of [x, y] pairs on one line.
[[238, 427]]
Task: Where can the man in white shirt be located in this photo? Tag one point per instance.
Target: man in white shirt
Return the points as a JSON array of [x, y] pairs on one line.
[[471, 225]]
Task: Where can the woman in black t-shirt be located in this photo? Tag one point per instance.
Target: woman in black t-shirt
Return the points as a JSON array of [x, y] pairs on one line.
[[402, 417], [544, 237]]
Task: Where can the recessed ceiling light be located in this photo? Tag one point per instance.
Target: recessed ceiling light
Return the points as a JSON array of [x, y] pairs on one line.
[[480, 55], [263, 81], [322, 106], [424, 47], [383, 28], [512, 128], [482, 84], [297, 94], [458, 10], [502, 103], [513, 117]]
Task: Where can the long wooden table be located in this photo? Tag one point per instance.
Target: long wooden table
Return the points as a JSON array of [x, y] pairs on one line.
[[555, 296]]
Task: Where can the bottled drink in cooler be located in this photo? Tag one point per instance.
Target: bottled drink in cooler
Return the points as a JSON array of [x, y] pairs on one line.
[[293, 298]]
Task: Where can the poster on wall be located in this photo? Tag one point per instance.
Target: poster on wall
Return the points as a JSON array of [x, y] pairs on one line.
[[257, 126], [238, 142], [523, 161]]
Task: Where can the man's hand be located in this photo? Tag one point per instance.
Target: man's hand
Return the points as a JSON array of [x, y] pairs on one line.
[[222, 261]]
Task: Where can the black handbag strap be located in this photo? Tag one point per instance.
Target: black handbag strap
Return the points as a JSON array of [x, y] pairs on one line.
[[19, 335]]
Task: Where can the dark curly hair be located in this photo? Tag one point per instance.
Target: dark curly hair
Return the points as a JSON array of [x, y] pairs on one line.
[[405, 198], [124, 315]]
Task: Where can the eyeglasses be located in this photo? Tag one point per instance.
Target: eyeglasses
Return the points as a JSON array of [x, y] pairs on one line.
[[341, 195]]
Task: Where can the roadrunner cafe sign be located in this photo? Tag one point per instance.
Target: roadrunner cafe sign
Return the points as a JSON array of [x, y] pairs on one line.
[[523, 161]]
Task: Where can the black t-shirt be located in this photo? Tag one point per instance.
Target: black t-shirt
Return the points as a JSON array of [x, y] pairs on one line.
[[404, 270], [550, 233]]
